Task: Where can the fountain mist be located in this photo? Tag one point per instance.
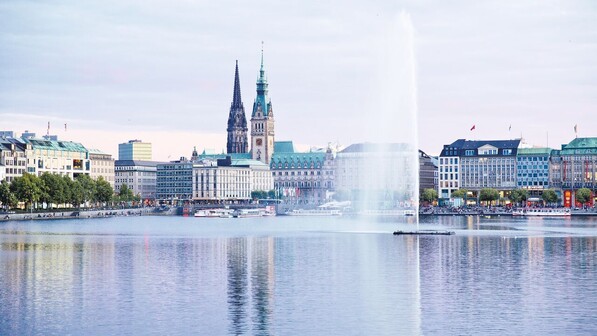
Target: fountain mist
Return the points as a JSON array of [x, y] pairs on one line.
[[388, 170]]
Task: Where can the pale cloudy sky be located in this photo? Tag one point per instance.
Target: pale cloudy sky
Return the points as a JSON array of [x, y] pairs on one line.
[[162, 71]]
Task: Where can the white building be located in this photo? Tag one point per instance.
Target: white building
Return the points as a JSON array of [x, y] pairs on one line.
[[102, 164], [230, 180], [477, 164], [56, 157], [12, 158], [139, 176]]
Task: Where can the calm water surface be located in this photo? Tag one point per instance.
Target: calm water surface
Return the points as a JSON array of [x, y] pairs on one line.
[[298, 276]]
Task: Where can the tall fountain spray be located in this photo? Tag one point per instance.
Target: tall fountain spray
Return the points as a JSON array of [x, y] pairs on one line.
[[388, 168]]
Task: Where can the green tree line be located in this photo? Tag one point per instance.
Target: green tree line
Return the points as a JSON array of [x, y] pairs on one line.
[[59, 191]]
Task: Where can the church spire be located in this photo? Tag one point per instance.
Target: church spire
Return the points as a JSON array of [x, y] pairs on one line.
[[236, 99], [237, 122]]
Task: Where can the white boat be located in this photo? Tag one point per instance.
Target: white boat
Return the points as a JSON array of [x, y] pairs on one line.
[[314, 212], [388, 212], [245, 213], [214, 213], [541, 212]]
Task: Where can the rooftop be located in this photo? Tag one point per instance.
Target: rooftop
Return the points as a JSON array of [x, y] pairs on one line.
[[534, 151], [56, 145]]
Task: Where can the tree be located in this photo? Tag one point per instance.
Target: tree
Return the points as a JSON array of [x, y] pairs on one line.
[[27, 189], [67, 185], [53, 189], [429, 195], [489, 195], [126, 194], [7, 198], [519, 195], [87, 188], [103, 190], [460, 193], [271, 194], [549, 196], [76, 194], [583, 195], [258, 194]]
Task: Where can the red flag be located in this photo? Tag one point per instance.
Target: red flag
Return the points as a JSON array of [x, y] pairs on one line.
[[472, 128]]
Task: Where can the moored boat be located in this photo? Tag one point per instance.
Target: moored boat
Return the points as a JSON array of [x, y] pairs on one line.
[[214, 213], [314, 212], [542, 212]]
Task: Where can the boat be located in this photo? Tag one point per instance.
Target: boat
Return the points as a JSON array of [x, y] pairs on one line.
[[214, 213], [314, 212], [245, 213], [542, 212], [388, 212], [424, 232]]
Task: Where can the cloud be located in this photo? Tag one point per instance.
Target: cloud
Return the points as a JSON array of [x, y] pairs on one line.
[[139, 66]]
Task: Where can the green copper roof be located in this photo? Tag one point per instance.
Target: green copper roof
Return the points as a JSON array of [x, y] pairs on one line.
[[581, 143], [247, 162], [579, 146], [297, 160], [262, 102], [534, 151], [56, 145], [283, 147], [233, 156]]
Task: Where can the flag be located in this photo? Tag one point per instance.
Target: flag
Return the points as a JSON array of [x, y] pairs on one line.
[[472, 128], [575, 128], [65, 127], [510, 128]]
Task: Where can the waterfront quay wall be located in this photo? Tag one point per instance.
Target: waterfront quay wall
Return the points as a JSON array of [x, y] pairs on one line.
[[80, 214]]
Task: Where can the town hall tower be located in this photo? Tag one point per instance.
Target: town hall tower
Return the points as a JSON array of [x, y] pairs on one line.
[[262, 121]]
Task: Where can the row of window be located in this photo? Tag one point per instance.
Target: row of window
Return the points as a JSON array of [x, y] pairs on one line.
[[448, 160]]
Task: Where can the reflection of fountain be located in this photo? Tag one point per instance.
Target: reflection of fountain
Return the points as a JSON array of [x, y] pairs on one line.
[[388, 171]]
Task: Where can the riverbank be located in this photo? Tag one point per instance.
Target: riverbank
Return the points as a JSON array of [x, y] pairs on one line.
[[81, 214]]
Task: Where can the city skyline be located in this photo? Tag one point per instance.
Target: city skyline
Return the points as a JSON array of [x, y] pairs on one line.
[[164, 73]]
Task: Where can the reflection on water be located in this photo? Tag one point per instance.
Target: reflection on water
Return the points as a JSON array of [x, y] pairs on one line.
[[250, 284], [288, 276]]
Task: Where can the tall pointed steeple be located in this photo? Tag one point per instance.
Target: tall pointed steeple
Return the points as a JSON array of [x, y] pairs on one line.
[[262, 120], [236, 99], [262, 102], [237, 122]]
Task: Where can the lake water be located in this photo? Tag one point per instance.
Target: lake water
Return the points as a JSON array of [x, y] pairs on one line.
[[298, 276]]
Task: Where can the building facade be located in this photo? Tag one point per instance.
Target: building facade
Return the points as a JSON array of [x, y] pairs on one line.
[[174, 180], [572, 167], [262, 121], [102, 165], [229, 180], [478, 164], [135, 150], [532, 170], [237, 122], [427, 172], [13, 157], [56, 157], [139, 176], [302, 178]]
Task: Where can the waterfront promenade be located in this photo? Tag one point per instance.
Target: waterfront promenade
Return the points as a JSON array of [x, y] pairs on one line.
[[82, 214]]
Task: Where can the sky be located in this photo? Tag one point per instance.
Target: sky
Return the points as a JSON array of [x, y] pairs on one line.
[[163, 71]]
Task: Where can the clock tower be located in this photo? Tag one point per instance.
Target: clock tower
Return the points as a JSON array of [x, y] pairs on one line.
[[262, 121]]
